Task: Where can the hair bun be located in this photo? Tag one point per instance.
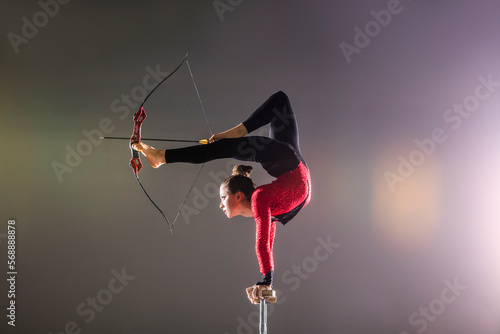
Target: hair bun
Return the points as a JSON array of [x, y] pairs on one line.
[[242, 170]]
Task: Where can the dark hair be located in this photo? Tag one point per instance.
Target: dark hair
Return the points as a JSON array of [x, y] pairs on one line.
[[240, 181]]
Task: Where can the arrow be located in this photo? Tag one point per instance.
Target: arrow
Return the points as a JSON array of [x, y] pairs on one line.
[[202, 141]]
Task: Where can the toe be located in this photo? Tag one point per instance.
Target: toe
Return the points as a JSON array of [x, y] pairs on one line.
[[137, 146]]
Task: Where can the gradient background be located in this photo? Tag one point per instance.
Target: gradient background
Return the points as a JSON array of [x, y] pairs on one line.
[[397, 248]]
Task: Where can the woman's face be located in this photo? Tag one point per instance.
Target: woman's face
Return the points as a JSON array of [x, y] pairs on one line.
[[229, 203]]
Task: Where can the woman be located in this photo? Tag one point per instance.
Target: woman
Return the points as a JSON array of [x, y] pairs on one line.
[[279, 155]]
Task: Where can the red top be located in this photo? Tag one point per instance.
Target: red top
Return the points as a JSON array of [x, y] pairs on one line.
[[288, 191]]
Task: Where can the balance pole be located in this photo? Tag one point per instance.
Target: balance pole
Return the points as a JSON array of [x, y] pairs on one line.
[[268, 296]]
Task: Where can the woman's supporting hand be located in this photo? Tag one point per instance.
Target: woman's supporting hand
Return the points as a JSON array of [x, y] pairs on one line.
[[254, 293], [236, 132]]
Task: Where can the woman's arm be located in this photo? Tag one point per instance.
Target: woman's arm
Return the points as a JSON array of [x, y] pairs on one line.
[[265, 231]]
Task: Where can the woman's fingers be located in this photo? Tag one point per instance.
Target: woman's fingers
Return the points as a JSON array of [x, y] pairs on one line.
[[256, 292], [251, 294]]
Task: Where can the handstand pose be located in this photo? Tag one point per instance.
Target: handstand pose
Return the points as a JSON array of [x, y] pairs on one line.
[[279, 155]]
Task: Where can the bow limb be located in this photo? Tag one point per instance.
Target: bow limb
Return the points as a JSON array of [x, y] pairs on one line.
[[168, 76], [135, 161]]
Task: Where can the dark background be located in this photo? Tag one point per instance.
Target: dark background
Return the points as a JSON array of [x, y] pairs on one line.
[[397, 251]]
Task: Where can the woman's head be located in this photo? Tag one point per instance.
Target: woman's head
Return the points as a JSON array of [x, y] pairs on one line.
[[236, 191]]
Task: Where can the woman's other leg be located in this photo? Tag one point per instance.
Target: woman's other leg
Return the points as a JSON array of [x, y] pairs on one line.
[[276, 110]]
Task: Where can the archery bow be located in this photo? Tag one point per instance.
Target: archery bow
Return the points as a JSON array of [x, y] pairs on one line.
[[139, 117]]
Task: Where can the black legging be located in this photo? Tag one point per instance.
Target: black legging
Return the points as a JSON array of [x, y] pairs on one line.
[[278, 111], [279, 153]]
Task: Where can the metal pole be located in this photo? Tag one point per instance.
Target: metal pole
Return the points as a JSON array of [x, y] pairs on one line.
[[263, 317]]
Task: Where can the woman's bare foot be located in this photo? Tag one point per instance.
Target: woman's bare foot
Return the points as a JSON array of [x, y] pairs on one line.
[[155, 157], [236, 132]]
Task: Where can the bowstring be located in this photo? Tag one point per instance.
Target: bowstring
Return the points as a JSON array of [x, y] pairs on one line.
[[199, 98], [211, 133]]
